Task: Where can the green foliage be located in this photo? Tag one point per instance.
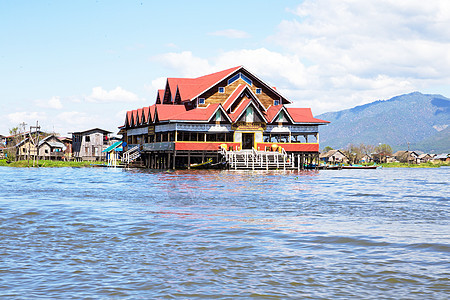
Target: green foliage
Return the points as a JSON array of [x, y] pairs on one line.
[[422, 165], [355, 153], [327, 148], [384, 148]]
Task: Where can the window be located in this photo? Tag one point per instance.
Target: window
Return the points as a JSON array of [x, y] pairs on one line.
[[221, 90], [201, 100], [246, 79], [87, 138], [234, 78], [276, 102], [240, 75], [258, 91]]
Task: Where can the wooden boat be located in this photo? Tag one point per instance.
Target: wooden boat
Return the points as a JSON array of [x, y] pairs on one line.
[[333, 168], [360, 167], [202, 165]]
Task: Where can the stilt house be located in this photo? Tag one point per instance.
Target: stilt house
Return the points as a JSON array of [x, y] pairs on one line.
[[195, 120]]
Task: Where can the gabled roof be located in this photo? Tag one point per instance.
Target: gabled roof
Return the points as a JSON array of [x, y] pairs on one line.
[[241, 90], [93, 129], [272, 112], [152, 113], [138, 117], [234, 95], [242, 108], [146, 115], [331, 153], [129, 118], [190, 88], [160, 96]]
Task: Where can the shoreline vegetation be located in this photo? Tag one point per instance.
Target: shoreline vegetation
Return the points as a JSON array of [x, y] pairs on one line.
[[49, 164], [89, 164]]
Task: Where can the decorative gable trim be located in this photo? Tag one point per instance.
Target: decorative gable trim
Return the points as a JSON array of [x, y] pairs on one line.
[[238, 93], [222, 112], [234, 70], [241, 110], [286, 113]]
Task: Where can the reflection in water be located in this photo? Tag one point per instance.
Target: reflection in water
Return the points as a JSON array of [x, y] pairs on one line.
[[100, 233]]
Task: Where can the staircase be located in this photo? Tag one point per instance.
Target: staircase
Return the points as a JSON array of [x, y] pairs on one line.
[[258, 160], [131, 155]]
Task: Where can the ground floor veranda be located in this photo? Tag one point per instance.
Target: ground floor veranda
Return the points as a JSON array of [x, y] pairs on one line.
[[181, 146]]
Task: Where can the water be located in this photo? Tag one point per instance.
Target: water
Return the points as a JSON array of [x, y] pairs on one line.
[[103, 233]]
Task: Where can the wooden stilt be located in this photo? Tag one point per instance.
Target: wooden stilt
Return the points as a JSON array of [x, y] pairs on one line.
[[189, 160], [174, 158]]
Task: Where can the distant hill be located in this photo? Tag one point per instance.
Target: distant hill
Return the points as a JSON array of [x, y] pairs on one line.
[[421, 120]]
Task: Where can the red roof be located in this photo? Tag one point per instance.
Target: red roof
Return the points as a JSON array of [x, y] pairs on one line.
[[303, 115], [146, 114], [233, 96], [168, 112], [190, 88], [152, 112], [129, 117], [138, 116], [272, 111], [238, 111]]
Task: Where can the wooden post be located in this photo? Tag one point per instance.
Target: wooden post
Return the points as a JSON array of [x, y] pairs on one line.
[[168, 160], [189, 160], [174, 158]]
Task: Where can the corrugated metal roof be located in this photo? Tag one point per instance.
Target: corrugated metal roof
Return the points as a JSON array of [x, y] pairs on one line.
[[113, 146]]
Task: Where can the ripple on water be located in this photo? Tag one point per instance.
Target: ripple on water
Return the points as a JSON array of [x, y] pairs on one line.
[[86, 233]]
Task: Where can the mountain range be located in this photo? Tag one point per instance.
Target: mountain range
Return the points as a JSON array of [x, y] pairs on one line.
[[416, 121]]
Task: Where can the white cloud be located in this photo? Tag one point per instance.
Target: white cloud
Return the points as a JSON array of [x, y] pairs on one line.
[[231, 33], [28, 117], [338, 54], [185, 63], [73, 121], [54, 102], [156, 84], [116, 95]]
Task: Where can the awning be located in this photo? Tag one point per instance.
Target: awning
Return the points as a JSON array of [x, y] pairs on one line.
[[113, 146]]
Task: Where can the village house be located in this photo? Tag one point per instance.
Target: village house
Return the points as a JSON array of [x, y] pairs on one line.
[[406, 157], [442, 157], [366, 158], [334, 157], [50, 148], [88, 145], [2, 146], [382, 157], [68, 144], [425, 157], [219, 116]]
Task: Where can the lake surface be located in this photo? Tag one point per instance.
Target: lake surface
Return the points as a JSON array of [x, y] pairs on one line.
[[132, 234]]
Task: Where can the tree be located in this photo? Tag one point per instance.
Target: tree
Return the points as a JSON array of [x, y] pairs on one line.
[[382, 152], [356, 153], [384, 148], [327, 148], [11, 143]]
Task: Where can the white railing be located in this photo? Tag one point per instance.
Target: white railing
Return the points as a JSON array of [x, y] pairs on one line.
[[254, 159], [131, 154]]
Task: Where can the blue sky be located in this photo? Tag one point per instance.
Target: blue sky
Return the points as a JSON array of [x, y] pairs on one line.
[[74, 65]]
